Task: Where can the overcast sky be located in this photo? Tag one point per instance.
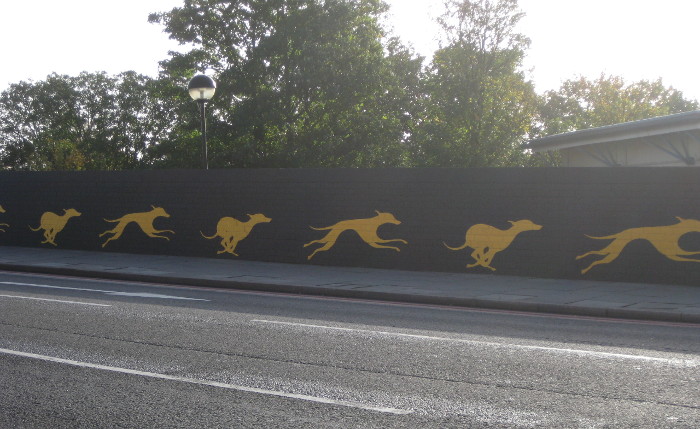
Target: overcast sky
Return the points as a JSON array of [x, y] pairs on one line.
[[636, 39]]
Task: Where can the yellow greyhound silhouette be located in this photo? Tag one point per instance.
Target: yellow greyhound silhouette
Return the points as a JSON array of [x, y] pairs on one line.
[[365, 228], [663, 238], [487, 240], [2, 210], [52, 224], [143, 219], [232, 231]]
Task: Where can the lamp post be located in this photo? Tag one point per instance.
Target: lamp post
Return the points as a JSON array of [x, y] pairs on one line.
[[202, 89]]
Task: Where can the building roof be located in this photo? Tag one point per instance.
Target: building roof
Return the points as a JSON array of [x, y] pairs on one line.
[[687, 122]]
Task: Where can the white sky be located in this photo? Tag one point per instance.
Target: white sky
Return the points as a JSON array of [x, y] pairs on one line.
[[636, 39]]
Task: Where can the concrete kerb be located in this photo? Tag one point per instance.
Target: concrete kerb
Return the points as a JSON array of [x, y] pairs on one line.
[[518, 306]]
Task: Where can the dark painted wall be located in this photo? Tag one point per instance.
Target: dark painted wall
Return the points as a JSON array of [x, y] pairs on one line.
[[433, 205]]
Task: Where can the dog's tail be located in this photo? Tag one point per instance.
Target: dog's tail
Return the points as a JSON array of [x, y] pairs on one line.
[[464, 246], [208, 238], [321, 229], [607, 237], [37, 228], [115, 220]]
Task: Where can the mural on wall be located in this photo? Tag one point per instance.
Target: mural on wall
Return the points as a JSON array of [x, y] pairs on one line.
[[143, 219], [232, 231], [2, 210], [436, 207], [52, 224], [663, 238], [487, 240], [365, 228]]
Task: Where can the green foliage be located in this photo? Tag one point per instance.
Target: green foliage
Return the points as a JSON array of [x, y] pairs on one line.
[[317, 85], [583, 103], [92, 121], [478, 105]]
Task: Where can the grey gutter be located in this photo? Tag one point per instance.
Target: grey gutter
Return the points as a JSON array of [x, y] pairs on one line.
[[679, 122]]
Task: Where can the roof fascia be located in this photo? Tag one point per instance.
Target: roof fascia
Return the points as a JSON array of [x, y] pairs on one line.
[[683, 122]]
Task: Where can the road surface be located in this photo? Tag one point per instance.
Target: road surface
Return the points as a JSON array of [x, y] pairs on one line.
[[86, 353]]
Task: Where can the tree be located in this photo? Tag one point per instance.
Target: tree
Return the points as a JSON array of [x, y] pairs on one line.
[[318, 82], [478, 106], [582, 103], [91, 121], [37, 122]]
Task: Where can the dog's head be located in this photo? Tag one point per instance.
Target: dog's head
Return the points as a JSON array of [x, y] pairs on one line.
[[259, 218], [159, 211], [525, 225], [71, 212], [384, 217], [690, 224]]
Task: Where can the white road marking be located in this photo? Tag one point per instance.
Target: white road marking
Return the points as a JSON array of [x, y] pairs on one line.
[[316, 399], [675, 362], [55, 300], [108, 292]]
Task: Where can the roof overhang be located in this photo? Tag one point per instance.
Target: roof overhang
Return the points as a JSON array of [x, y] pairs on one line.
[[686, 122]]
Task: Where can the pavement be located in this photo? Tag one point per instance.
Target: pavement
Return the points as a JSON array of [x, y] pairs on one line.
[[672, 303]]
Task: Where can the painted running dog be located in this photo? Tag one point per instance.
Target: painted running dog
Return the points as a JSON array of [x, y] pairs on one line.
[[365, 228], [52, 224], [232, 231], [143, 219], [664, 239], [487, 240]]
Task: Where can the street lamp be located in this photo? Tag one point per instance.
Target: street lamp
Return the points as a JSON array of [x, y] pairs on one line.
[[201, 90]]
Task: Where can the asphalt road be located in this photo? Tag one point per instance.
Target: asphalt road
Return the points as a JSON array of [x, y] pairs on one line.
[[91, 353]]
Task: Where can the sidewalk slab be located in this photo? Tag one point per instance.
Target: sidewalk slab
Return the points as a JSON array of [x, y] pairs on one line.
[[577, 297]]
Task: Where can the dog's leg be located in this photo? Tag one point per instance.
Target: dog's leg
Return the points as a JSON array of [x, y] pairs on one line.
[[111, 231], [152, 235], [328, 241], [477, 255], [227, 251], [481, 260], [486, 262], [155, 231], [225, 246], [117, 231], [49, 237], [682, 259], [611, 252], [486, 265], [324, 248], [379, 246], [608, 259], [314, 242], [328, 238], [234, 243], [592, 252], [391, 241], [480, 263], [109, 239]]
